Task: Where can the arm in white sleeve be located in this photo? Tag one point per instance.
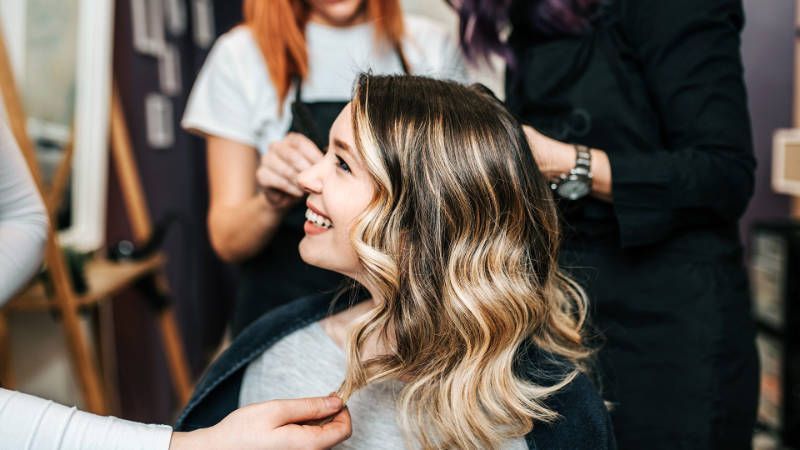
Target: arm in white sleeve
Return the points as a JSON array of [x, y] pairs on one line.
[[32, 423], [23, 219]]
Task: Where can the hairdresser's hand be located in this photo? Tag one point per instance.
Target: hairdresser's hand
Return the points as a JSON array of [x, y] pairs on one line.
[[553, 157], [273, 425], [277, 174]]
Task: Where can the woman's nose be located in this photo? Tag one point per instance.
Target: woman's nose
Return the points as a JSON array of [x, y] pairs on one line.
[[310, 180]]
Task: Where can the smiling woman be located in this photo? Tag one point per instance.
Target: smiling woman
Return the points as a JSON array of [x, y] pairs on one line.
[[265, 102], [471, 337]]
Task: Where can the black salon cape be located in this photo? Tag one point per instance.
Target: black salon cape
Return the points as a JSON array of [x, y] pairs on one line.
[[584, 423], [658, 86]]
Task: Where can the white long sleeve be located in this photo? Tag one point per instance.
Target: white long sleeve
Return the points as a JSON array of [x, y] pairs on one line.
[[23, 219], [32, 423]]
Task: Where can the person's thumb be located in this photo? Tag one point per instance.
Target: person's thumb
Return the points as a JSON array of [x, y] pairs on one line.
[[283, 412]]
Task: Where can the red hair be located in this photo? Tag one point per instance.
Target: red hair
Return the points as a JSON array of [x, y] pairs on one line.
[[278, 28]]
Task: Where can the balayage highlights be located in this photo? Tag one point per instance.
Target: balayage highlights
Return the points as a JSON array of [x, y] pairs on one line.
[[459, 246]]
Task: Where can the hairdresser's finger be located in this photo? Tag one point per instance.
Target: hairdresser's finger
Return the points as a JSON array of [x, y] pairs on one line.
[[297, 160], [278, 176], [286, 186], [333, 432], [305, 147], [281, 164], [270, 180], [302, 409]]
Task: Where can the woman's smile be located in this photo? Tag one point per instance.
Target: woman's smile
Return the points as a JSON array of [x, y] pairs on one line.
[[316, 222]]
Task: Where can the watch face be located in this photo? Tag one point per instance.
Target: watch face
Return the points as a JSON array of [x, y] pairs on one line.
[[573, 189]]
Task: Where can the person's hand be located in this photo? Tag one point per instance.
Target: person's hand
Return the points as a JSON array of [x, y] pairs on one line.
[[553, 157], [273, 425], [277, 174]]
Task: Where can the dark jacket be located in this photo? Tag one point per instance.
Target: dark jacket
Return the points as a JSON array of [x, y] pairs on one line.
[[584, 422]]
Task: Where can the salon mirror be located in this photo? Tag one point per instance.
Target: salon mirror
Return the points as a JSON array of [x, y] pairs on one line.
[[59, 53]]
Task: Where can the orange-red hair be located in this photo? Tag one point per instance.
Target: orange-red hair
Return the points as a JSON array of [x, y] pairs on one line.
[[278, 28]]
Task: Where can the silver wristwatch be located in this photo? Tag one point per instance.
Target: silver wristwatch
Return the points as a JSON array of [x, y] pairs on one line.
[[577, 183]]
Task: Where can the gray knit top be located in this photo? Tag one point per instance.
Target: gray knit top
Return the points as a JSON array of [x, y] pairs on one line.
[[308, 363]]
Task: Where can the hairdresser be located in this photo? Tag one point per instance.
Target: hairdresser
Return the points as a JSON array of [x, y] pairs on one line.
[[265, 100], [637, 114]]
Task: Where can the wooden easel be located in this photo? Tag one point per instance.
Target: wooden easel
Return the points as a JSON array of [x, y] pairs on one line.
[[104, 278]]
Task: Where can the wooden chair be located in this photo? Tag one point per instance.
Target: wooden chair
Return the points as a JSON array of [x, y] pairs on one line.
[[104, 278]]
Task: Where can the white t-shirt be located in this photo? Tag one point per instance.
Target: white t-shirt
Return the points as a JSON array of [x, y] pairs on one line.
[[233, 96]]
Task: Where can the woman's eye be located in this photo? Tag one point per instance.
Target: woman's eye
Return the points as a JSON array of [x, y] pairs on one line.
[[342, 165]]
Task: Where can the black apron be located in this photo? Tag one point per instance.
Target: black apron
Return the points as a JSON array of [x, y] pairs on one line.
[[277, 275]]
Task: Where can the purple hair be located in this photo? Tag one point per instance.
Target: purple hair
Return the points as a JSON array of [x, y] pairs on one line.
[[483, 20]]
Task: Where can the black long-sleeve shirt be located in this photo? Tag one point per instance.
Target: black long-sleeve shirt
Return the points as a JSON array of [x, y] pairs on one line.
[[658, 86]]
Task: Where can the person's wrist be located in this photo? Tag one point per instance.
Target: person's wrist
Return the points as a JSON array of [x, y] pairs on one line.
[[562, 161], [191, 440], [179, 440], [567, 158]]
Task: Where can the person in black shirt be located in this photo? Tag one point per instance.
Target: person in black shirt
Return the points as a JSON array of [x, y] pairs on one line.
[[647, 96]]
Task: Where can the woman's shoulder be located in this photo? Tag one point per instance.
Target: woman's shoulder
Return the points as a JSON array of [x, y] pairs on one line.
[[233, 96], [583, 421], [237, 46], [217, 392], [236, 40]]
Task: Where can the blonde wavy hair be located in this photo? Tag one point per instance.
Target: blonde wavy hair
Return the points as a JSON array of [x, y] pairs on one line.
[[459, 244]]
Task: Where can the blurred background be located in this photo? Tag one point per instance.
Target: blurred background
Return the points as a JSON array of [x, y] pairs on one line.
[[65, 56]]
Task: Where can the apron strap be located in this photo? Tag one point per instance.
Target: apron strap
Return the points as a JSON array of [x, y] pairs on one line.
[[304, 120], [403, 61]]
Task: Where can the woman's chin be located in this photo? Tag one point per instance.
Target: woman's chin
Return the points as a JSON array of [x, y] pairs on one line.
[[305, 254], [311, 256]]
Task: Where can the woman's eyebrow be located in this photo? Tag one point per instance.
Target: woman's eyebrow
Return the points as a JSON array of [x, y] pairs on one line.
[[342, 145]]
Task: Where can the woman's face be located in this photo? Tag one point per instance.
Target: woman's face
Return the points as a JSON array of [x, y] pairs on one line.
[[338, 13], [339, 189]]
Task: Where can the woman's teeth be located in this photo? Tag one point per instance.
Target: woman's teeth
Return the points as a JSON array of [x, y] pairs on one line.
[[318, 220]]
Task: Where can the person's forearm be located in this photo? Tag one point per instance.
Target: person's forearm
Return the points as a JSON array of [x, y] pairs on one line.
[[189, 440], [601, 176], [241, 231], [32, 423]]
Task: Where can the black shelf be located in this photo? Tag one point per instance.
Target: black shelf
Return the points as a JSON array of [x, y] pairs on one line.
[[775, 278]]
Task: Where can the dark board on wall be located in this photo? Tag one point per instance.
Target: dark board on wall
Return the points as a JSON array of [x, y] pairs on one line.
[[159, 46]]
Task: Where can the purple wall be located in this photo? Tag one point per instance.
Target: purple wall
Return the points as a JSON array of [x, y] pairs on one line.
[[768, 54]]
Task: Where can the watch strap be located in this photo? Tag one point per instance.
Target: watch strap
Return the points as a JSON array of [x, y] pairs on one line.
[[583, 161]]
